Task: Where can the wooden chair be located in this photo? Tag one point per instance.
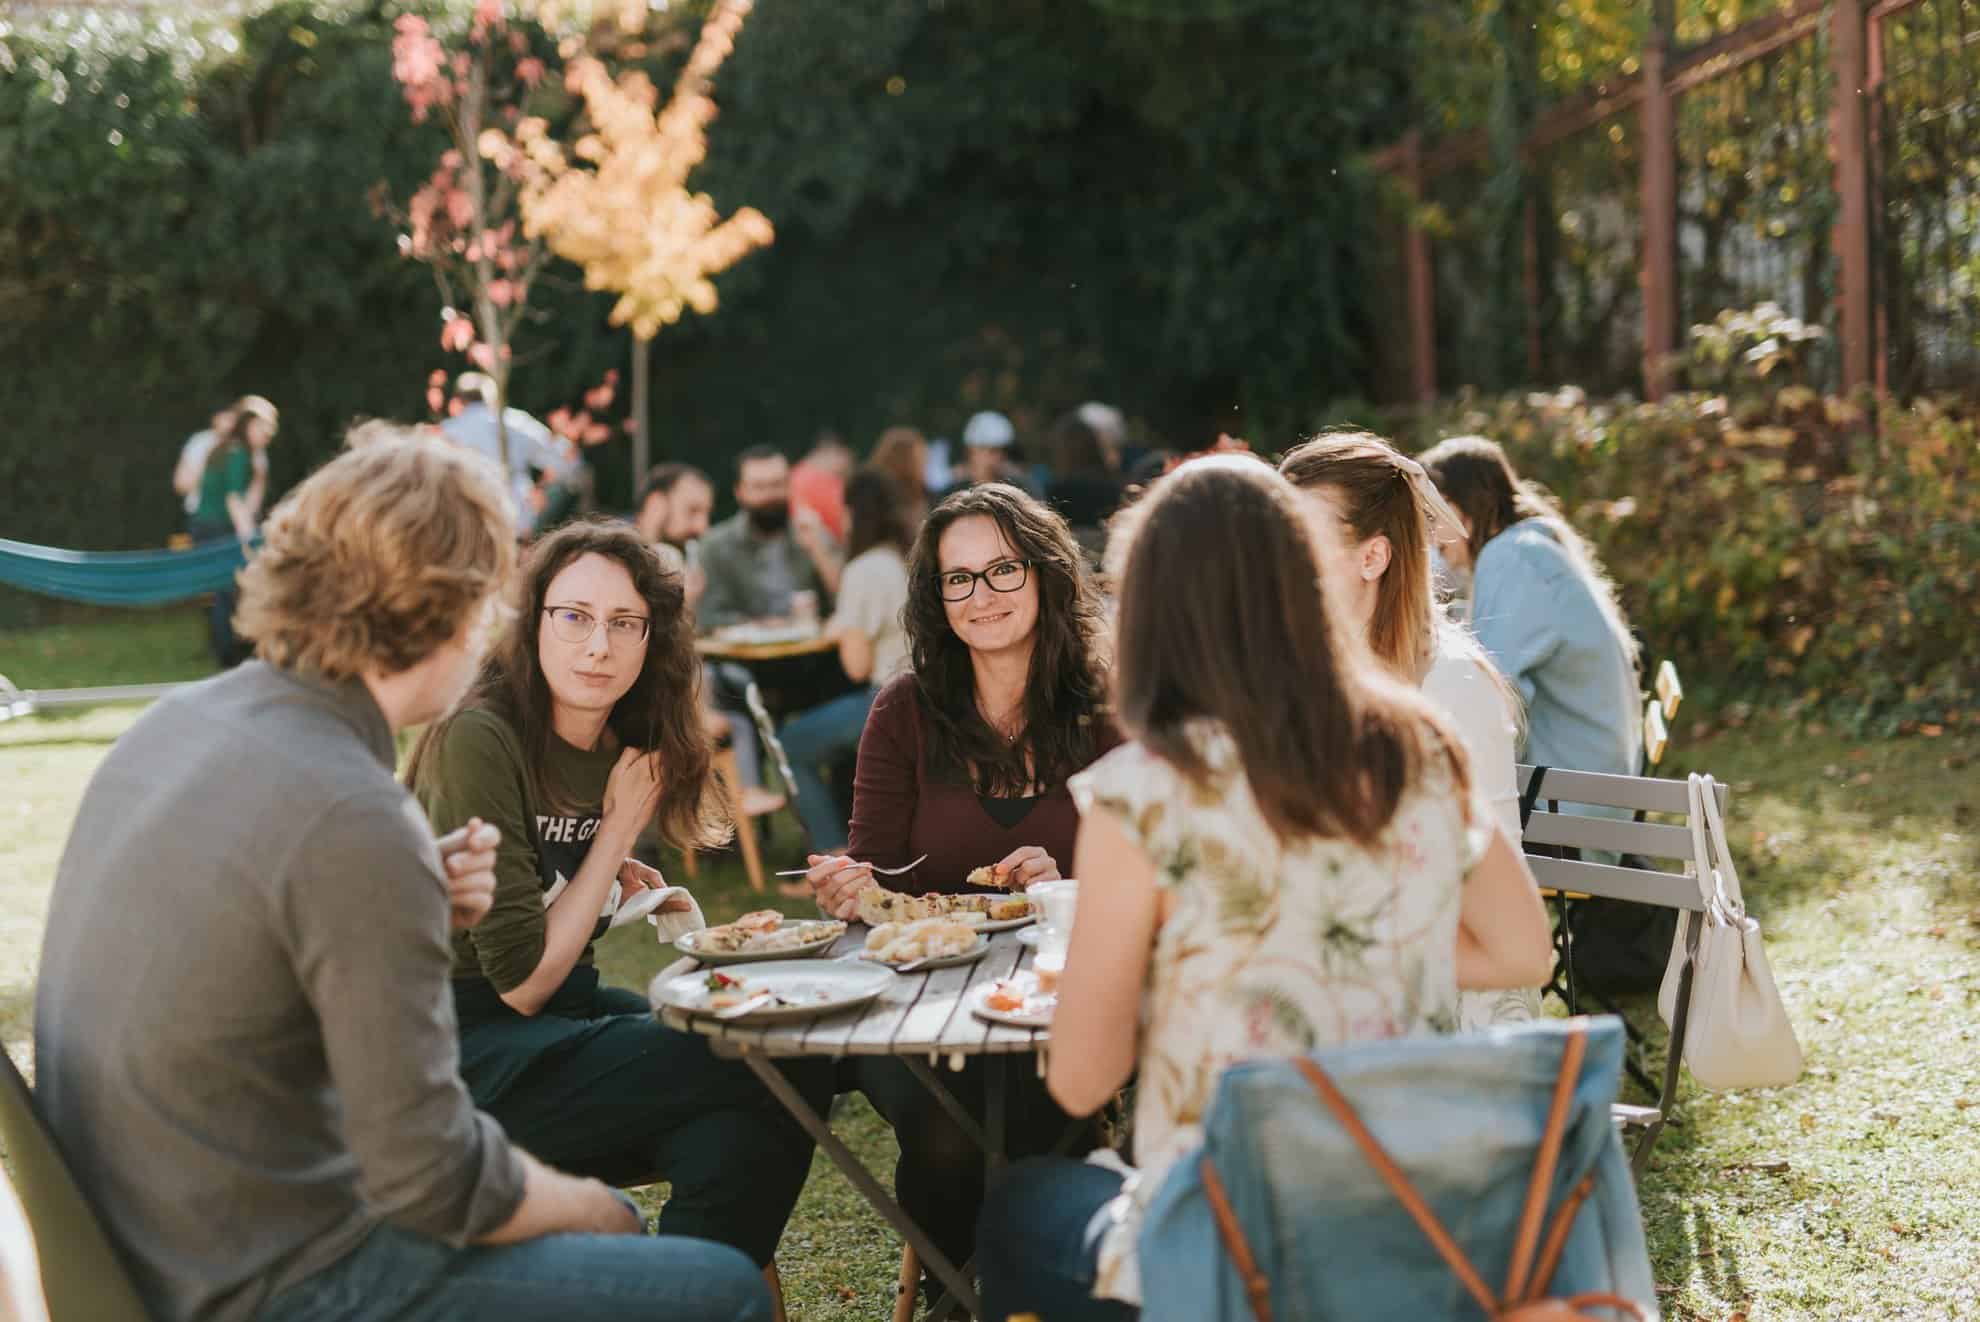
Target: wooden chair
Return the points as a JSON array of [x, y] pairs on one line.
[[735, 794], [1569, 879], [82, 1276]]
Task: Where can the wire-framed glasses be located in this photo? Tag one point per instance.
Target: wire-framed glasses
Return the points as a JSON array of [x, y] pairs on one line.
[[573, 625]]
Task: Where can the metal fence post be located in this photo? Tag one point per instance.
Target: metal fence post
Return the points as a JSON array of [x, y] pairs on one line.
[[1658, 261], [1850, 125]]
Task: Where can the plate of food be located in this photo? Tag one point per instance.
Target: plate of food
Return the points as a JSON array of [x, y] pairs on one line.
[[1015, 1001], [763, 935], [926, 943], [768, 993], [989, 913]]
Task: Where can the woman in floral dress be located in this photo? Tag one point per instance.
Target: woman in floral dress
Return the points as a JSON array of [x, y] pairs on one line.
[[1287, 856]]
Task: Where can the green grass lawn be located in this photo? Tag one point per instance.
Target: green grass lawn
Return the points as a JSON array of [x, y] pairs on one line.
[[1848, 1196]]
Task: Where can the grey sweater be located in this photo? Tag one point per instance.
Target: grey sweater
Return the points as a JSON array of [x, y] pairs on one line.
[[243, 1035]]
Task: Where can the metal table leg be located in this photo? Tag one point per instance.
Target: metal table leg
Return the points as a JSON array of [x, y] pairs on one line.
[[862, 1179], [947, 1100]]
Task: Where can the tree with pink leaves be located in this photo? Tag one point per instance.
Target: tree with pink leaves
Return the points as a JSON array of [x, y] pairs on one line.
[[463, 222]]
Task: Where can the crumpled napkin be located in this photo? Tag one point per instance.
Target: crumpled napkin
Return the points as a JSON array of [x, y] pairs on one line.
[[644, 904]]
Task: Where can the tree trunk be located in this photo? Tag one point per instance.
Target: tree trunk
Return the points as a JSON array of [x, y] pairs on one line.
[[642, 448]]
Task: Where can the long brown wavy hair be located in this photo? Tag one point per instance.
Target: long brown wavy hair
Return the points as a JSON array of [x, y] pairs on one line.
[[1475, 475], [1222, 615], [1064, 695], [660, 713]]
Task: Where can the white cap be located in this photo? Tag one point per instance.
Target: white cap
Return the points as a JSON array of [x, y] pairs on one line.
[[989, 431], [1104, 419]]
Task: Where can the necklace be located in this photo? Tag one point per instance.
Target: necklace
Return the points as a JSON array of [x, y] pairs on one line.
[[1008, 735]]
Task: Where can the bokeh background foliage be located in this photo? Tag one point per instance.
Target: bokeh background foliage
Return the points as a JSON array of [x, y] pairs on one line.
[[1021, 205]]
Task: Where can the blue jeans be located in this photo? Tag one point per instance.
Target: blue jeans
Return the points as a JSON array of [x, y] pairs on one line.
[[1037, 1250], [396, 1276], [813, 740]]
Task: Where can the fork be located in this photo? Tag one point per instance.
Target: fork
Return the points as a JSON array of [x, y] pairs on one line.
[[878, 872]]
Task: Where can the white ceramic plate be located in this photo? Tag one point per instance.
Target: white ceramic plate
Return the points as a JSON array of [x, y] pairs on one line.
[[1037, 1012], [806, 989], [1006, 924], [970, 956], [717, 958]]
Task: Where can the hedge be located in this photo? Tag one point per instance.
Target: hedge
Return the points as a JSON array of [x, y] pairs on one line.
[[1821, 551]]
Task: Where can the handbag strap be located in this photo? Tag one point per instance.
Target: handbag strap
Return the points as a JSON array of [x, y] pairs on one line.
[[1701, 844], [1715, 829]]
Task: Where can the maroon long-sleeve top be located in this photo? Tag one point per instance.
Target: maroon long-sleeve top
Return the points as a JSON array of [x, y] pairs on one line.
[[901, 810]]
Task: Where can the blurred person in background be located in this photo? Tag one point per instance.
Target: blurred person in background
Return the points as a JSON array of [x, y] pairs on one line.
[[233, 483], [989, 443], [192, 460], [760, 559], [818, 482], [543, 467], [902, 454], [674, 508], [867, 626], [1083, 486]]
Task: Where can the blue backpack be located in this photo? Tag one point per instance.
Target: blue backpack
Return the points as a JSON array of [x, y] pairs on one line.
[[1472, 1177]]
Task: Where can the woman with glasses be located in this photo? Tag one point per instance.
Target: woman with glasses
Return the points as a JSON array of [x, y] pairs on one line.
[[582, 728], [965, 759]]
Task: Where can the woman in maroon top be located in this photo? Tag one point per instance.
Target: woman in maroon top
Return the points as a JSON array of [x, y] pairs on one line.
[[965, 759]]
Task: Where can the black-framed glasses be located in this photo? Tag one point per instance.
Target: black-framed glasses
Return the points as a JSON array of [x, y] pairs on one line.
[[1004, 576], [576, 626]]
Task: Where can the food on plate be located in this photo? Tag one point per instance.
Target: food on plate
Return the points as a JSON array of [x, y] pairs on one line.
[[1021, 994], [878, 905], [924, 938], [726, 991], [764, 932]]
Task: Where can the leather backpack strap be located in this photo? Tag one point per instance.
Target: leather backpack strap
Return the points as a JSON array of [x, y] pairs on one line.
[[1405, 1192], [1520, 1282], [1256, 1286]]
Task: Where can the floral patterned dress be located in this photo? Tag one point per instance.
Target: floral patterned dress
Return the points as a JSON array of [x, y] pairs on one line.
[[1271, 949]]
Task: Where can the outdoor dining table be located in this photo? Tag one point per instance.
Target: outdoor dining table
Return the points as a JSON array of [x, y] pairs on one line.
[[924, 1019], [726, 649]]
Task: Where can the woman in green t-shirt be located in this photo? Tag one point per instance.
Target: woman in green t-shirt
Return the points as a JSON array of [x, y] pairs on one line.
[[582, 728], [231, 487]]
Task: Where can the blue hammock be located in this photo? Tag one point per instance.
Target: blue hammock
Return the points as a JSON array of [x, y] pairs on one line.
[[121, 578]]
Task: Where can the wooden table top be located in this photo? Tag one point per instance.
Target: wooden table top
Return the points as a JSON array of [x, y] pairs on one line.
[[728, 650], [921, 1014]]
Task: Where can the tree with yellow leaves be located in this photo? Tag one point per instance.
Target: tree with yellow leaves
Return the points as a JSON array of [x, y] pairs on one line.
[[619, 206]]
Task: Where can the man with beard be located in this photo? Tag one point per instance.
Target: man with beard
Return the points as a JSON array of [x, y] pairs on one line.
[[760, 559], [673, 514]]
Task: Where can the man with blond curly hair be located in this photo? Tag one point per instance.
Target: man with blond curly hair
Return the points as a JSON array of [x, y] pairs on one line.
[[244, 1036]]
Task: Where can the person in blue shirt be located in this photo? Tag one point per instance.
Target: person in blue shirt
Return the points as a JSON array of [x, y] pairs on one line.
[[1544, 609]]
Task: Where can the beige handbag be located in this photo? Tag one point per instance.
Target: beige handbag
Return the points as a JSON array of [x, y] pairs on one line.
[[1738, 1034]]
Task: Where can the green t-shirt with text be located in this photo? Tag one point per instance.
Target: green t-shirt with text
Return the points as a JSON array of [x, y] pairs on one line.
[[479, 771]]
